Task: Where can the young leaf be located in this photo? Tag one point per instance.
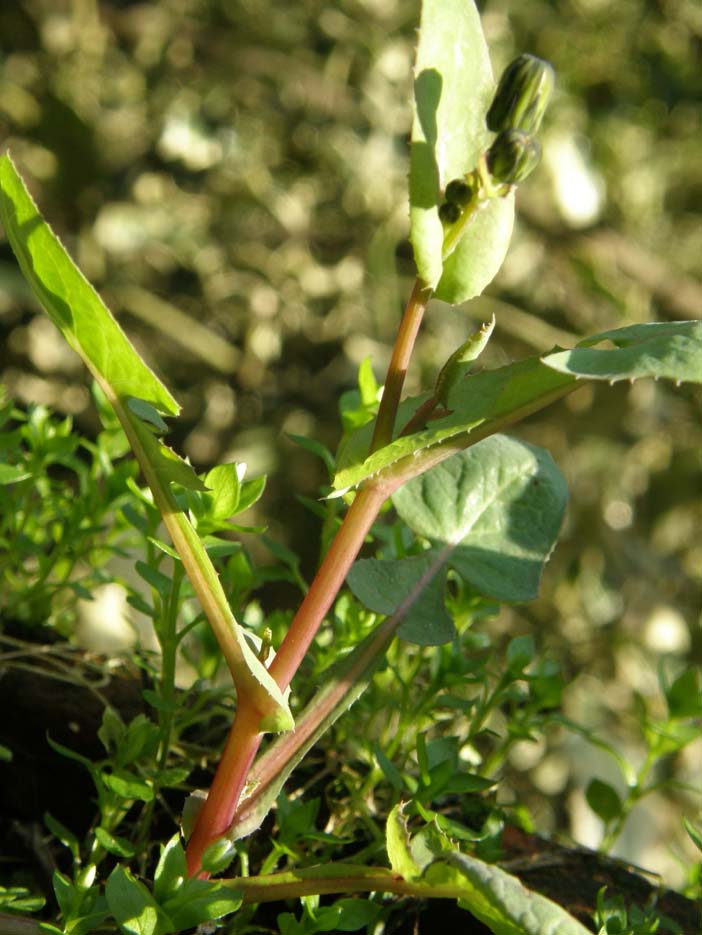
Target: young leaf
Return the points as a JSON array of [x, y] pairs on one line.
[[171, 870], [114, 844], [224, 483], [398, 844], [128, 785], [684, 696], [453, 88], [11, 473], [132, 905], [603, 799], [200, 901]]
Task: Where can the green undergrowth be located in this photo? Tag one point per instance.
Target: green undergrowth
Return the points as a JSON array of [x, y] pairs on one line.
[[362, 746]]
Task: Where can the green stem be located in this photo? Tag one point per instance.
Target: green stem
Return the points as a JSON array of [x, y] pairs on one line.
[[249, 676], [399, 362], [337, 878], [168, 638]]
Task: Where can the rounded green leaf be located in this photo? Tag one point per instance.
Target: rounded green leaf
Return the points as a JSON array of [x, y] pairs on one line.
[[603, 799], [500, 505], [480, 253], [385, 585]]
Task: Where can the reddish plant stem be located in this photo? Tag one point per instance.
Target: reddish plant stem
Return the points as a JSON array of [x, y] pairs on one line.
[[217, 811], [327, 583], [244, 738], [399, 362]]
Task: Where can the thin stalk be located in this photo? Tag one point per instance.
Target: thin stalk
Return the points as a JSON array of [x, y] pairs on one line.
[[423, 414], [399, 362], [337, 878], [169, 650], [327, 582]]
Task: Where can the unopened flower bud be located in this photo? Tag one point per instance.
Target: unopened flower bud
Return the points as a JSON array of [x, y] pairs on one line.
[[459, 192], [449, 212], [522, 95], [513, 156]]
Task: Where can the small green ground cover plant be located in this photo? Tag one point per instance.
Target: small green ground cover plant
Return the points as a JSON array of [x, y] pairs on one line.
[[475, 516]]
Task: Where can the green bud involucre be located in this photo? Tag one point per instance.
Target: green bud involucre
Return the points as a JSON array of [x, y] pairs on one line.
[[513, 156], [522, 95]]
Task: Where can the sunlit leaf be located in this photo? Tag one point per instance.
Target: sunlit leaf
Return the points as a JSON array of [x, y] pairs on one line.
[[453, 87], [483, 403]]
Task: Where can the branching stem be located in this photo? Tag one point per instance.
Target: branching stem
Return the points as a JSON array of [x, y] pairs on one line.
[[244, 737]]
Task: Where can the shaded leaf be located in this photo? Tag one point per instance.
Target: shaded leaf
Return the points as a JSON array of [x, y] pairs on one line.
[[11, 473], [383, 586], [603, 799], [684, 696], [128, 785], [114, 844], [498, 506]]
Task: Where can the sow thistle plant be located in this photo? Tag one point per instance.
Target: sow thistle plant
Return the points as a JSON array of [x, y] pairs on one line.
[[475, 507]]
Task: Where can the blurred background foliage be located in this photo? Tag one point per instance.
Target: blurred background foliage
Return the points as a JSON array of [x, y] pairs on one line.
[[231, 175]]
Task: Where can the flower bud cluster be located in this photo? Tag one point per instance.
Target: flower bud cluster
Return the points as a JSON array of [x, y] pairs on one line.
[[515, 115]]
